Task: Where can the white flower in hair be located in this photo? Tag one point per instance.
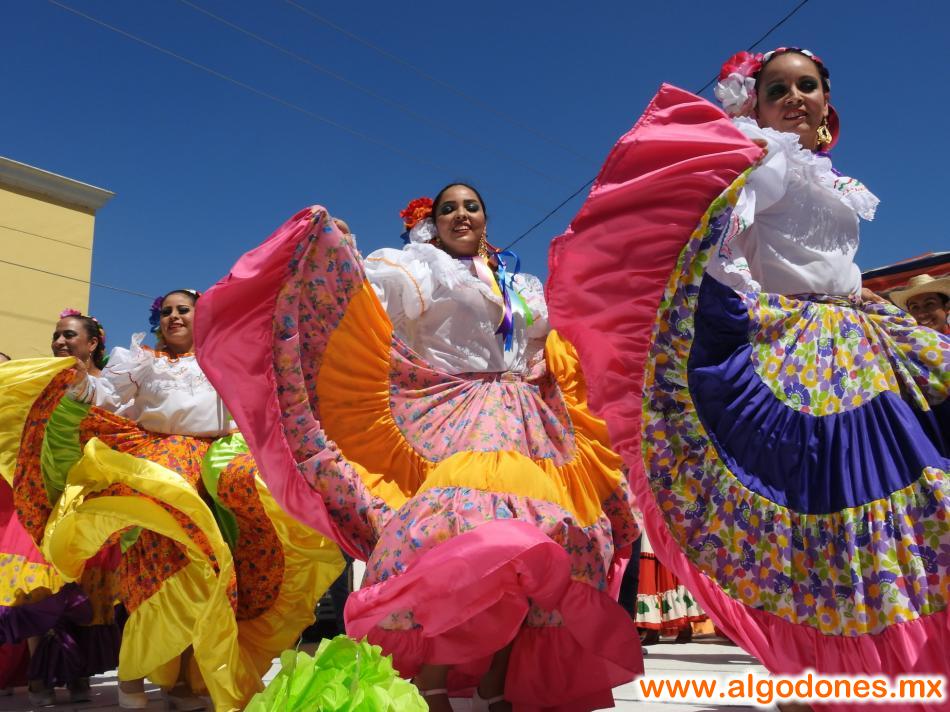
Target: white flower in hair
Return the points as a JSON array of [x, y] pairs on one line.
[[736, 93], [423, 231]]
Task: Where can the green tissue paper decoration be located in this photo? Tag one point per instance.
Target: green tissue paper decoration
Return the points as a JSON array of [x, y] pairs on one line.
[[343, 675]]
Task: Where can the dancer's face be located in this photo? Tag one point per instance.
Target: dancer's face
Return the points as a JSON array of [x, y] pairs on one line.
[[791, 98], [460, 221], [929, 309], [70, 339], [178, 313]]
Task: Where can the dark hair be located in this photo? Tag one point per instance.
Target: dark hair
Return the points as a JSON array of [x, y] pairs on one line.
[[95, 331], [438, 198], [192, 293], [822, 69], [155, 317]]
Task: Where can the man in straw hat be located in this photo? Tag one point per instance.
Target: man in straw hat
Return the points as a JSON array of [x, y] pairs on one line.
[[927, 300]]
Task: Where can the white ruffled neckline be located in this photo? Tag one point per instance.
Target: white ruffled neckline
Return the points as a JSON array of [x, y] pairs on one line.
[[453, 273], [817, 168], [143, 354]]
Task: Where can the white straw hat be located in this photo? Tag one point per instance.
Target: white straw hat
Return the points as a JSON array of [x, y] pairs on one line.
[[920, 284]]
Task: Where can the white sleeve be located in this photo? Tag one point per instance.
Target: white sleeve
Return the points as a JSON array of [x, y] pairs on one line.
[[769, 180], [728, 263], [119, 383], [765, 186], [403, 283], [531, 289]]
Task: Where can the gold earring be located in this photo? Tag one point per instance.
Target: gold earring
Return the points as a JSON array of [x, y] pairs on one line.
[[483, 246], [824, 134]]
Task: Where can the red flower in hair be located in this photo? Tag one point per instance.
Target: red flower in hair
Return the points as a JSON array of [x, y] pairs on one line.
[[742, 63], [418, 209]]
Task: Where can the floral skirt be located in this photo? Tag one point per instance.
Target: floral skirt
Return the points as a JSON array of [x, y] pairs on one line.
[[790, 454], [237, 584], [488, 507]]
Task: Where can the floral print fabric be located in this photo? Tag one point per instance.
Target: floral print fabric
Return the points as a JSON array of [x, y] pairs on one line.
[[424, 418], [821, 355], [850, 572]]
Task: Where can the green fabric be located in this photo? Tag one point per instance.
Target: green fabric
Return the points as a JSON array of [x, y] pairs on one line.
[[219, 455], [526, 310], [342, 676], [129, 537], [61, 449]]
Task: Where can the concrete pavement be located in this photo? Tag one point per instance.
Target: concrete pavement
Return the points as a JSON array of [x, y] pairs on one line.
[[712, 656]]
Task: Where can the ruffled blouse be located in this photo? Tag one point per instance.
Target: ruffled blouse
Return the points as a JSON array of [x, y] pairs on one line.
[[162, 393], [794, 229], [447, 315]]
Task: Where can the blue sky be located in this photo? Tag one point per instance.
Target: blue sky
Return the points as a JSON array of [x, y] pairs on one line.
[[523, 99]]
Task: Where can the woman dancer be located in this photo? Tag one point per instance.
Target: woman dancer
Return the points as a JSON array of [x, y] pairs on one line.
[[426, 417], [70, 627], [211, 601], [786, 434]]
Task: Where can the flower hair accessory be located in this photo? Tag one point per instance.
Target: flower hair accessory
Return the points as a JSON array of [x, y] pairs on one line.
[[155, 315], [735, 89], [417, 221], [69, 312]]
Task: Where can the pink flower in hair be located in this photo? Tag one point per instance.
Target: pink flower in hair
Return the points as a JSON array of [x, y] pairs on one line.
[[736, 87], [69, 312], [744, 63]]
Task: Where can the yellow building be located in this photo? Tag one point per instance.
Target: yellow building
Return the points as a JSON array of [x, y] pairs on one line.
[[46, 232]]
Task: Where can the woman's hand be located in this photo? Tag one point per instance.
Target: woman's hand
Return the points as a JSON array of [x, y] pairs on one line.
[[764, 145], [868, 296], [81, 372], [342, 226], [81, 388]]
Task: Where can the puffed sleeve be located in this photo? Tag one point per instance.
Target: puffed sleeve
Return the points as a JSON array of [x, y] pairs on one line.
[[403, 282], [532, 291], [768, 182], [765, 186], [119, 383]]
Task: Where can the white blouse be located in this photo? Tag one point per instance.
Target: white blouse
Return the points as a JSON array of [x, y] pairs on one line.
[[794, 229], [161, 393], [447, 315]]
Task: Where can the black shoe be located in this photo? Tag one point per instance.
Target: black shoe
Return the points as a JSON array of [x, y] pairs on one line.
[[79, 690]]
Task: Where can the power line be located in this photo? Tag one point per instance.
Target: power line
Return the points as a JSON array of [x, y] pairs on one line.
[[550, 213], [564, 202], [342, 127], [371, 93], [283, 102], [759, 41], [45, 237], [260, 92], [76, 279], [435, 80]]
